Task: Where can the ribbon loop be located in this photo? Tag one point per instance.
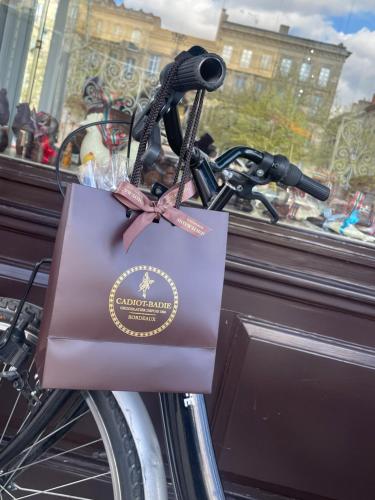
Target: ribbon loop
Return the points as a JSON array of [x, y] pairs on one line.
[[133, 198]]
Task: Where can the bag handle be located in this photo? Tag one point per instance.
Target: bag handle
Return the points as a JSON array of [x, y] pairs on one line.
[[188, 144], [157, 105], [183, 166]]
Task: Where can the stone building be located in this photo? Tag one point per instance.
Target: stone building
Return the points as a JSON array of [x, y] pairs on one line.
[[256, 58]]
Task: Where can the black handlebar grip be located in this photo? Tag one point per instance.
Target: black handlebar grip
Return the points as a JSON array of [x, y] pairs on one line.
[[202, 72], [290, 175], [313, 188]]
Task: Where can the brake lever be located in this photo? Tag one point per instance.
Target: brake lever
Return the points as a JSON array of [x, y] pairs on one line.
[[267, 204]]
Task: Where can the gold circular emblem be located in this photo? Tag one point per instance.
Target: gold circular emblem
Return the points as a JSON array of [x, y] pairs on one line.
[[143, 296]]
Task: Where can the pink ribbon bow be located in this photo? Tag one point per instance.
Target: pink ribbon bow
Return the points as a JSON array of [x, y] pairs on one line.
[[133, 198]]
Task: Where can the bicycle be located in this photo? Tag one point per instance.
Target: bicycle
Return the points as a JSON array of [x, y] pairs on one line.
[[122, 455]]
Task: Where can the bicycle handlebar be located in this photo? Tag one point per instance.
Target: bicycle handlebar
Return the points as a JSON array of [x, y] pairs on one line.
[[203, 72], [289, 174], [200, 71]]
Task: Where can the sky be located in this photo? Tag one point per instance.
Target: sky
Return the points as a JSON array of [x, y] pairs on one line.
[[351, 22]]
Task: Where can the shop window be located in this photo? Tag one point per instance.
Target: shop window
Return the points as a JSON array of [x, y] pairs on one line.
[[64, 62]]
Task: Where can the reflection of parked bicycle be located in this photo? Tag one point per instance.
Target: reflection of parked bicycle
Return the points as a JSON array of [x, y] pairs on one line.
[[103, 445]]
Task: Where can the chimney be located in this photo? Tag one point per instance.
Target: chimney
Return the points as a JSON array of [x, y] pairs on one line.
[[284, 29]]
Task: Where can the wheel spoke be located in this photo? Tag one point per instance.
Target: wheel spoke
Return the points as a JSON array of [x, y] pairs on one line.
[[24, 467], [10, 418], [14, 409], [56, 430], [51, 490], [2, 489], [40, 492], [21, 462], [38, 441]]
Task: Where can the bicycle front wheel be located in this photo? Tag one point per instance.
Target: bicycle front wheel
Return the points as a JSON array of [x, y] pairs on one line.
[[60, 444]]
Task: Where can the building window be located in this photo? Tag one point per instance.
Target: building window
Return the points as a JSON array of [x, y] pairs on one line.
[[246, 58], [227, 53], [259, 87], [129, 67], [265, 61], [153, 64], [304, 72], [240, 82], [285, 66], [316, 102], [136, 37], [99, 26], [324, 77], [116, 29]]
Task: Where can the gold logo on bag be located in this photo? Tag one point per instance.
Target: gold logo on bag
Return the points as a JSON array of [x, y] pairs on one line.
[[145, 284], [134, 305]]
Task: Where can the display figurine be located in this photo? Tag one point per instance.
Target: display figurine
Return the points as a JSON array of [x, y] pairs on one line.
[[46, 128], [35, 134], [23, 127], [100, 143]]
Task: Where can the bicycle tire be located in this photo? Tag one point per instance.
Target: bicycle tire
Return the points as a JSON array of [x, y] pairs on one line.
[[126, 472]]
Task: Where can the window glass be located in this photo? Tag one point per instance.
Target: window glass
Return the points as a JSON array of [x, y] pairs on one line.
[[136, 37], [129, 67], [316, 102], [153, 64], [265, 61], [304, 72], [305, 89], [240, 81], [246, 58], [285, 66], [324, 77], [227, 53]]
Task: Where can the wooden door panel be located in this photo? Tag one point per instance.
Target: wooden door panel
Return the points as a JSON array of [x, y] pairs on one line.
[[296, 416]]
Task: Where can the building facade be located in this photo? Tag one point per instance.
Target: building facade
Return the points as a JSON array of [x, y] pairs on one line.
[[129, 50]]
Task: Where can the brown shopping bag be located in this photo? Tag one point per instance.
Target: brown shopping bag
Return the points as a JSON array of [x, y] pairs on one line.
[[141, 320], [134, 303]]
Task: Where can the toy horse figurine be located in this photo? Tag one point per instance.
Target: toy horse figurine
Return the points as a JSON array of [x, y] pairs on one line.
[[4, 119], [45, 136]]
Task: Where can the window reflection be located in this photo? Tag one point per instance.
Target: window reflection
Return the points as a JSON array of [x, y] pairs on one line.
[[285, 66], [227, 53], [304, 72], [246, 58], [324, 77], [296, 84]]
